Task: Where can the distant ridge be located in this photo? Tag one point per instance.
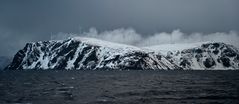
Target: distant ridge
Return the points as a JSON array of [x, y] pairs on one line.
[[200, 56]]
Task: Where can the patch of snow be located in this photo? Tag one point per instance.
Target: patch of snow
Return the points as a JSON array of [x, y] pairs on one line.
[[165, 48], [97, 42]]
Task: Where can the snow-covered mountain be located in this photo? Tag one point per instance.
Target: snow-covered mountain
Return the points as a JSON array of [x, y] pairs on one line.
[[206, 55], [87, 54], [91, 54]]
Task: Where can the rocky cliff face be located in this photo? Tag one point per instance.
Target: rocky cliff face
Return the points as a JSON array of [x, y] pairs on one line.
[[209, 55], [87, 54]]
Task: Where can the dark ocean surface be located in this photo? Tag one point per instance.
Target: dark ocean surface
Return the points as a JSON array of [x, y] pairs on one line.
[[119, 87]]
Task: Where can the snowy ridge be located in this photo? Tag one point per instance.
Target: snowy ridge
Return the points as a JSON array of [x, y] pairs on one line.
[[200, 56], [165, 48], [103, 43], [87, 54]]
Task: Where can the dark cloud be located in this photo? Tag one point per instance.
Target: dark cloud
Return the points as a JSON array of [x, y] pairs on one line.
[[22, 21]]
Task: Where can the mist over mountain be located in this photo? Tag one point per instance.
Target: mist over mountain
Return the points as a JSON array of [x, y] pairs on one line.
[[132, 37], [125, 36]]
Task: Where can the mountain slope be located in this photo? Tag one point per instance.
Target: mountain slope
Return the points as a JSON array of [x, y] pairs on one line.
[[87, 54], [207, 55]]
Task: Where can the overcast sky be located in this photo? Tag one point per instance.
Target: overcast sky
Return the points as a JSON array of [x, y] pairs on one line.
[[23, 21]]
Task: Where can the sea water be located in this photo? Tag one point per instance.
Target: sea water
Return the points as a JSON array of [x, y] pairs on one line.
[[119, 87]]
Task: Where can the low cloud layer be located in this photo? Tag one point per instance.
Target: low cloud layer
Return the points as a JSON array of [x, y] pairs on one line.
[[12, 41], [131, 37]]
